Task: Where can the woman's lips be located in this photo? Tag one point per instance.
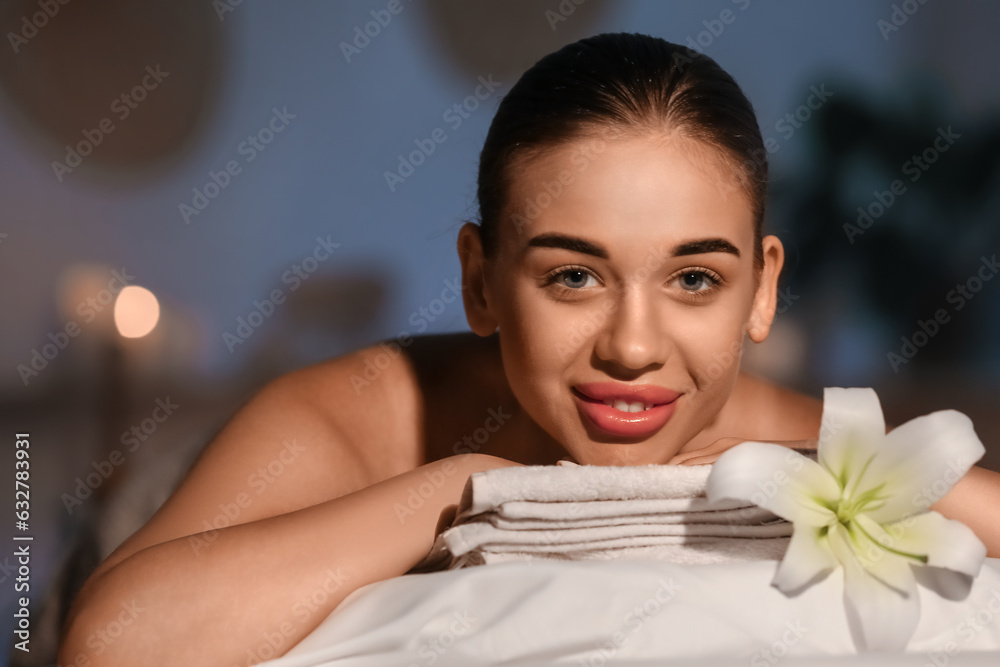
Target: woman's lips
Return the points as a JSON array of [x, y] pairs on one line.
[[657, 406]]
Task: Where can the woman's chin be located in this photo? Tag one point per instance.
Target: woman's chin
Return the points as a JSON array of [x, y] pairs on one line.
[[605, 454]]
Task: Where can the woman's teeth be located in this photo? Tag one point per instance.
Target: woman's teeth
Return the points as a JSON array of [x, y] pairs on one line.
[[628, 407]]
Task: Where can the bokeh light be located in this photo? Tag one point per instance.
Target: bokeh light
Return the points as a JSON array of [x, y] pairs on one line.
[[136, 312]]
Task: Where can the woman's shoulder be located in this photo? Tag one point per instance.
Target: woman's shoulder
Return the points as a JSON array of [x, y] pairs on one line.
[[306, 437], [396, 370], [392, 398], [775, 411]]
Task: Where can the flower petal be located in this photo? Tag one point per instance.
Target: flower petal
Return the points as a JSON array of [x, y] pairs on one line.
[[776, 478], [880, 617], [948, 584], [878, 553], [921, 460], [807, 561], [946, 543], [851, 431]]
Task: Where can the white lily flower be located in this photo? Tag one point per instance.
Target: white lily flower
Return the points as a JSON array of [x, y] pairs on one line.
[[863, 507]]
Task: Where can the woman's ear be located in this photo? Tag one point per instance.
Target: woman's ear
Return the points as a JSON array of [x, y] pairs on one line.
[[475, 289], [766, 299]]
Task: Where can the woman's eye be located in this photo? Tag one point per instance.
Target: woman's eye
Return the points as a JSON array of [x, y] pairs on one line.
[[575, 279], [696, 281]]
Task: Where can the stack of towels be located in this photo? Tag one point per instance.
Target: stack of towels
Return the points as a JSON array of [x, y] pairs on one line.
[[573, 512]]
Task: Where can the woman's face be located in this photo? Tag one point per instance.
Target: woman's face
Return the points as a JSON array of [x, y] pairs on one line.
[[623, 286]]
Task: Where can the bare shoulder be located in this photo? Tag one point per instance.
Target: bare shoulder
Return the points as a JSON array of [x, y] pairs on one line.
[[371, 398], [304, 438], [400, 402], [777, 412]]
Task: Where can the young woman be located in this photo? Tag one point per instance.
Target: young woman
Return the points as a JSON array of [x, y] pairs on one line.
[[616, 271]]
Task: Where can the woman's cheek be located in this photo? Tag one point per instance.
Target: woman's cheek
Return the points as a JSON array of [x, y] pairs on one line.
[[713, 351], [576, 330], [532, 333], [550, 329]]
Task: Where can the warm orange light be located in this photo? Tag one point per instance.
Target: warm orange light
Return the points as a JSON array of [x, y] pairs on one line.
[[136, 311]]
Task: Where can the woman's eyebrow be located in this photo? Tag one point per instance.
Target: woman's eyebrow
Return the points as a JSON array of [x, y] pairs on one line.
[[705, 245], [565, 242], [576, 244]]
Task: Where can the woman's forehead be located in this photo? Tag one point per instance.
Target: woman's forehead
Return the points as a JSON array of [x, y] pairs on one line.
[[649, 188]]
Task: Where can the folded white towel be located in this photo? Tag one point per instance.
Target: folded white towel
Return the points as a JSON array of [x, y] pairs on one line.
[[488, 489], [473, 535], [694, 551], [575, 512], [524, 515]]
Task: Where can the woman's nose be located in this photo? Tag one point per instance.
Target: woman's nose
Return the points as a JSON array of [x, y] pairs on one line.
[[633, 336]]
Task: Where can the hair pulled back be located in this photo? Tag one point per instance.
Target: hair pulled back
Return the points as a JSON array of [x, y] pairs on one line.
[[628, 82]]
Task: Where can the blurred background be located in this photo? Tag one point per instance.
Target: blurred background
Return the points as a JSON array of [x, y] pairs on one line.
[[200, 196]]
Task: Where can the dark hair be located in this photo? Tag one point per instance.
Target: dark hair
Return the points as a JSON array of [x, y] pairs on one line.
[[627, 82]]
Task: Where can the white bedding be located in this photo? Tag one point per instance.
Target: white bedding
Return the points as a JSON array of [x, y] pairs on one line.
[[632, 612]]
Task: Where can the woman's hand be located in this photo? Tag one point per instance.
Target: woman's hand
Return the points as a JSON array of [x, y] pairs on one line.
[[472, 463], [709, 454]]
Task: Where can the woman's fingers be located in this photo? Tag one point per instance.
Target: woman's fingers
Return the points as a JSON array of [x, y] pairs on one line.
[[705, 454], [709, 454]]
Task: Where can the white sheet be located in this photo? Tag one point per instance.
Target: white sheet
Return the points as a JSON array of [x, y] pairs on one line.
[[632, 612]]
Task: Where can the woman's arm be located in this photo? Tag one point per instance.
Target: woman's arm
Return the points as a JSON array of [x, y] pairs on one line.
[[303, 497], [260, 587], [975, 501]]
